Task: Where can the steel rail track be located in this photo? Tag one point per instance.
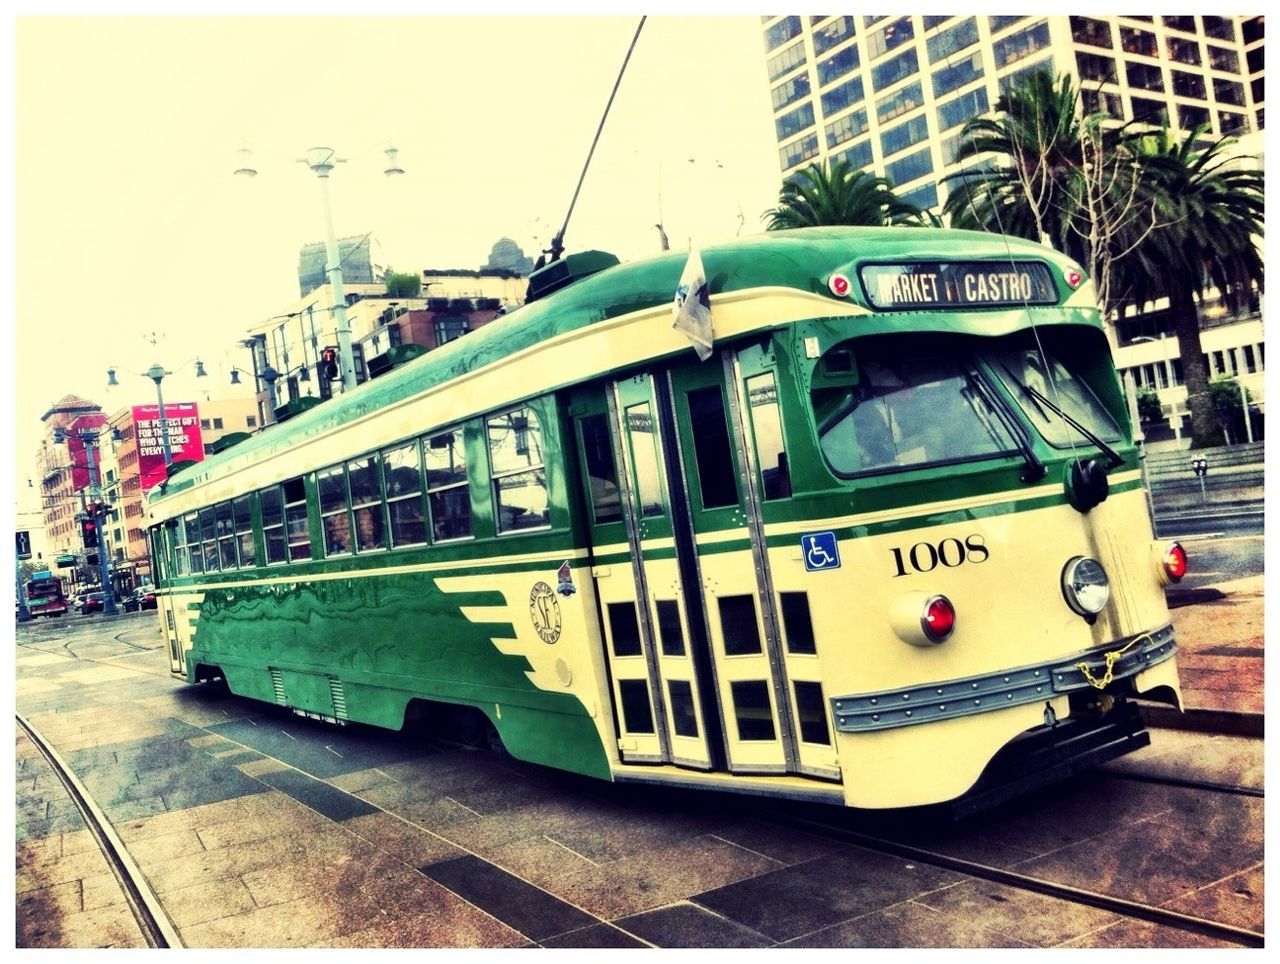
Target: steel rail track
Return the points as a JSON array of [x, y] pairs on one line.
[[1075, 895], [1233, 789], [157, 930]]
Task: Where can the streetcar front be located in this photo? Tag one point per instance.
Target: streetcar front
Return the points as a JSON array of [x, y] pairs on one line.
[[996, 593], [45, 598]]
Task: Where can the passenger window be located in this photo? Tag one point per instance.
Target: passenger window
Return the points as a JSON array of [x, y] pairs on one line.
[[226, 536], [448, 495], [762, 400], [402, 481], [331, 484], [519, 478], [366, 503], [711, 448], [297, 528], [181, 557], [209, 539], [272, 502], [243, 520]]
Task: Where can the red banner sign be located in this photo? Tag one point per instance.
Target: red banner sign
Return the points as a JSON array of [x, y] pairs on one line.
[[185, 441]]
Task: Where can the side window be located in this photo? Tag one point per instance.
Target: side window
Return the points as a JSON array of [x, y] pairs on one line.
[[448, 496], [272, 502], [334, 516], [762, 400], [182, 546], [297, 530], [364, 475], [402, 481], [243, 520], [209, 539], [711, 447], [226, 537], [519, 478]]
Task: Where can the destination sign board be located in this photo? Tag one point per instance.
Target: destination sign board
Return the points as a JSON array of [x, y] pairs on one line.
[[958, 284]]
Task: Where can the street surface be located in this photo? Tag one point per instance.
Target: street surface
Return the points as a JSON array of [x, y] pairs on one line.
[[260, 829]]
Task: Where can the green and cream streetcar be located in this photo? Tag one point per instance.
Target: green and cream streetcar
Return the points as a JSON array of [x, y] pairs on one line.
[[887, 546]]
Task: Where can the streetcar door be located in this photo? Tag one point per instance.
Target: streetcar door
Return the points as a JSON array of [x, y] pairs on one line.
[[697, 669], [723, 507], [659, 683]]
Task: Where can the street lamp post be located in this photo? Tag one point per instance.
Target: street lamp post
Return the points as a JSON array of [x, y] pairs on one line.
[[156, 373], [322, 161]]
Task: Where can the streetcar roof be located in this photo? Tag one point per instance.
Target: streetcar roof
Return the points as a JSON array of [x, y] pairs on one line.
[[802, 259]]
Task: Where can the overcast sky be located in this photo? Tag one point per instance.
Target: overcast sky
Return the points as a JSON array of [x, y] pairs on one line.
[[129, 219]]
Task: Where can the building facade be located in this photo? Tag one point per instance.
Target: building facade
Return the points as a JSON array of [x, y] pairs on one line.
[[891, 94], [123, 467], [68, 466], [286, 355]]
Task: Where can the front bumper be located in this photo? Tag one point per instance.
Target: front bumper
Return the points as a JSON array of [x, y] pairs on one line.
[[891, 709]]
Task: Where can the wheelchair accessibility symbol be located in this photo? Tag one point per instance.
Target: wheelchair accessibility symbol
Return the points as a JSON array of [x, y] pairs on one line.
[[820, 551]]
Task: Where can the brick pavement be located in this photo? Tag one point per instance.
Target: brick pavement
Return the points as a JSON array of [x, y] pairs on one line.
[[1220, 648]]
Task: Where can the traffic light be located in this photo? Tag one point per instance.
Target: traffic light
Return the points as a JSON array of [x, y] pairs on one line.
[[89, 533], [329, 363]]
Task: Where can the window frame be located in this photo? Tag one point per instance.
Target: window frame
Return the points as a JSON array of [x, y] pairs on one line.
[[464, 483], [495, 476]]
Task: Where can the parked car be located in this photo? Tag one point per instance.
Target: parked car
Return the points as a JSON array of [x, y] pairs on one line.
[[144, 597], [93, 602]]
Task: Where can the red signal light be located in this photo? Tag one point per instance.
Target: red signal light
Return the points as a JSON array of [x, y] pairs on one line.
[[939, 618], [1175, 562]]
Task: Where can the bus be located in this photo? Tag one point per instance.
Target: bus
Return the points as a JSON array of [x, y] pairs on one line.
[[44, 595], [888, 546]]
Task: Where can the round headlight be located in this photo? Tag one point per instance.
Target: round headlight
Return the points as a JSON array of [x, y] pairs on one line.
[[1085, 586]]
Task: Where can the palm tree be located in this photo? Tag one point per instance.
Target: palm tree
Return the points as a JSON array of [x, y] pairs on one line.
[[1210, 227], [1056, 176], [839, 195], [1036, 130]]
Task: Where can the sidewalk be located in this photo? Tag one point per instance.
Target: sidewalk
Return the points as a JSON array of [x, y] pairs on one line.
[[1220, 634]]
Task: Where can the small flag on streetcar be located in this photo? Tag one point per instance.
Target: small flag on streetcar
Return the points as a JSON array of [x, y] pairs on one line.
[[692, 307]]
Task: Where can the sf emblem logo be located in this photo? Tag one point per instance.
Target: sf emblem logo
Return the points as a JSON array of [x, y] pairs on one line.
[[544, 610]]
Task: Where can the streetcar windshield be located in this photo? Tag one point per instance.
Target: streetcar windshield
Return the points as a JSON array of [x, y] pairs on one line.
[[1028, 372], [910, 407]]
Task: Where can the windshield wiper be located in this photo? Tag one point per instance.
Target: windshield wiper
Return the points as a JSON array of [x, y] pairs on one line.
[[1114, 460], [1035, 470]]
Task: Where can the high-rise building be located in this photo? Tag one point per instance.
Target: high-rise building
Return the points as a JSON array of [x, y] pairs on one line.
[[890, 94]]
